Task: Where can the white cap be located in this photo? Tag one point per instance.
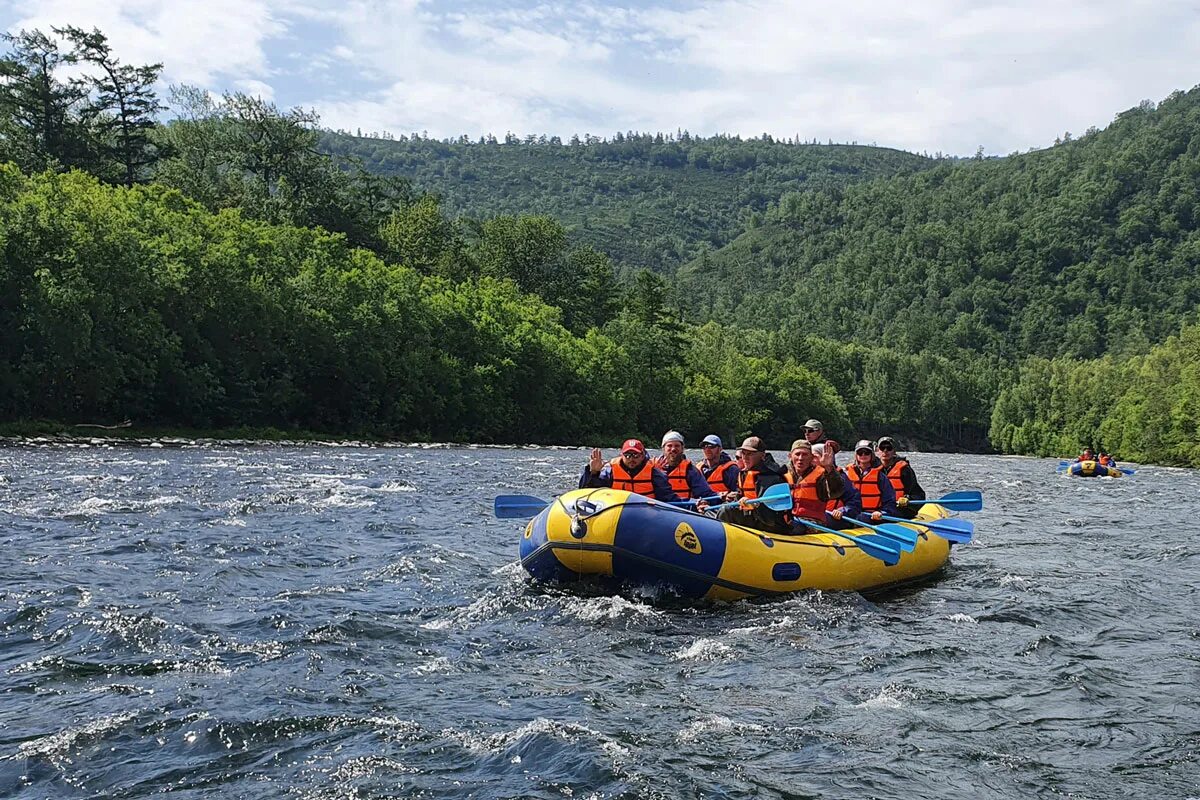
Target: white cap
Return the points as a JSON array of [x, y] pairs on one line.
[[672, 436]]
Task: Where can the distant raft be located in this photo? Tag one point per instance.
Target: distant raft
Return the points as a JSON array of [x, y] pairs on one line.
[[1092, 469], [608, 533]]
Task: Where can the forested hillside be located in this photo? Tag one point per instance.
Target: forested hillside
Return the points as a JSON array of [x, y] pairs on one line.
[[1086, 248], [220, 270], [646, 200]]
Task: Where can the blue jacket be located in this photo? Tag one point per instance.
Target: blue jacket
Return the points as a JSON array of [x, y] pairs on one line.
[[851, 502], [662, 487]]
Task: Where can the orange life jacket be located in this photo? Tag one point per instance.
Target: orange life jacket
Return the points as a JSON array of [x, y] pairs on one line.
[[893, 475], [806, 503], [868, 487], [746, 484], [718, 474], [678, 479], [640, 483]]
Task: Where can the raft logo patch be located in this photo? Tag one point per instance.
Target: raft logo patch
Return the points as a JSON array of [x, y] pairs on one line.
[[686, 538]]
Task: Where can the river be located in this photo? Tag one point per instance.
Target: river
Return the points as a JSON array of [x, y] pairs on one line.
[[254, 621]]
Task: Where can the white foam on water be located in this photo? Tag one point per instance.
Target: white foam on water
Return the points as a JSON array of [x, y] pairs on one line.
[[91, 507], [704, 650], [890, 696], [496, 743], [716, 724], [395, 486], [1006, 580], [592, 609], [783, 623], [440, 664], [58, 744], [965, 619]]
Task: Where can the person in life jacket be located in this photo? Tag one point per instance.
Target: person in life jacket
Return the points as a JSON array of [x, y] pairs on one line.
[[718, 468], [814, 434], [1105, 460], [1086, 455], [900, 474], [814, 485], [684, 477], [874, 488], [631, 471], [759, 473]]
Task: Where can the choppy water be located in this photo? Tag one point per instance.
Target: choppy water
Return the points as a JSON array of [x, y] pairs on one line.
[[351, 622]]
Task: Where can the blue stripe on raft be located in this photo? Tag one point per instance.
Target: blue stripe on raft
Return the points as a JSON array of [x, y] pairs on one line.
[[646, 541]]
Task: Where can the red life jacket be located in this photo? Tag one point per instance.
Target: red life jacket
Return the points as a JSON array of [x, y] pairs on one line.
[[868, 487], [678, 479], [639, 483], [806, 503], [893, 475]]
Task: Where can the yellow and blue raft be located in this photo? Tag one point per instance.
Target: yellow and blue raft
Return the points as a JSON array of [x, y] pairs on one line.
[[608, 533], [1093, 469]]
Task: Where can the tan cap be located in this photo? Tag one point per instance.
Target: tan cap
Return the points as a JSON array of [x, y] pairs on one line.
[[801, 444], [752, 444]]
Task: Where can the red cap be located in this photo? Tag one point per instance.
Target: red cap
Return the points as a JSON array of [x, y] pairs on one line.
[[633, 444]]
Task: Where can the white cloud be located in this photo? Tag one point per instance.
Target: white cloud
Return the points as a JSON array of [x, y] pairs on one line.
[[198, 41], [939, 75]]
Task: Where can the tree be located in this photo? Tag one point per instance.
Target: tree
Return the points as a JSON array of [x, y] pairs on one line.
[[124, 104], [39, 123]]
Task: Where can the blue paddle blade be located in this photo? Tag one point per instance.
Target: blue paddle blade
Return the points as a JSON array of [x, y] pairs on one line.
[[518, 506], [905, 537], [960, 531], [969, 500], [778, 497], [869, 544], [1127, 471]]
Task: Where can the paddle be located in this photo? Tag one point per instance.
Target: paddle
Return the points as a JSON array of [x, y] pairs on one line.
[[970, 500], [955, 530], [518, 506], [885, 553], [523, 506], [905, 538], [776, 498]]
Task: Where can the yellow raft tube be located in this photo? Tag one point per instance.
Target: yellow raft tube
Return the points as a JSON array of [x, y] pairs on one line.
[[1093, 469], [608, 533]]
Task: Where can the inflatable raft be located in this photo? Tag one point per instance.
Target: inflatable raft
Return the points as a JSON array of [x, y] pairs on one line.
[[607, 533], [1092, 469]]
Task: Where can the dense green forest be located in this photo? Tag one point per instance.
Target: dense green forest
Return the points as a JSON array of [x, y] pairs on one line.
[[225, 269], [647, 200], [1087, 248]]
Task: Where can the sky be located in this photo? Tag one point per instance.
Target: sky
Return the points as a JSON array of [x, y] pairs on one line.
[[932, 76]]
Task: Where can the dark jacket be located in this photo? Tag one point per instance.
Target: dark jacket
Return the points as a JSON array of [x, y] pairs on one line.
[[912, 489], [759, 516]]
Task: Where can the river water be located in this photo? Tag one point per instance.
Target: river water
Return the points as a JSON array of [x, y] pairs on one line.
[[342, 621]]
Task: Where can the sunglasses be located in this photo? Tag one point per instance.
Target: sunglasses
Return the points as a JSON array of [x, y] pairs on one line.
[[709, 446], [811, 430], [886, 447]]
